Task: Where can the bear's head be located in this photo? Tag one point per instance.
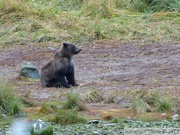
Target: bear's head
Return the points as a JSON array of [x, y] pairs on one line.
[[68, 50]]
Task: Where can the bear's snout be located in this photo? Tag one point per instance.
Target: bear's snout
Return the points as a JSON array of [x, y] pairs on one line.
[[78, 50]]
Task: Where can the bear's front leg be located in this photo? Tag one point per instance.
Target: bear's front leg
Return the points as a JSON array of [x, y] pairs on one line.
[[58, 85], [71, 79], [60, 77]]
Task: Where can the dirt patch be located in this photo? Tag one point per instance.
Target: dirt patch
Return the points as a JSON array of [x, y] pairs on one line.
[[108, 67]]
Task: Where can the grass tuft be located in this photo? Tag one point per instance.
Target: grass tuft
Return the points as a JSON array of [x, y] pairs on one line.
[[48, 108], [163, 105], [94, 97], [65, 117], [74, 102], [155, 5], [99, 9], [146, 101], [9, 102], [19, 8], [140, 106], [116, 120]]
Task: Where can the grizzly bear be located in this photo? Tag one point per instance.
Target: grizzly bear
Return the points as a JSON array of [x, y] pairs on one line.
[[60, 70]]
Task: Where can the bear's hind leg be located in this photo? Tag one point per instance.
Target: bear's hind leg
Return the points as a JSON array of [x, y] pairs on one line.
[[61, 80], [48, 84]]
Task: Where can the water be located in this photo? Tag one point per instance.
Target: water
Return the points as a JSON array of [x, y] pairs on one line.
[[20, 126]]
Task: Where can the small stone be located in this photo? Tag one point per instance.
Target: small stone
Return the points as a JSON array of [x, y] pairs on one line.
[[96, 133], [163, 114], [128, 117], [93, 122], [38, 126], [51, 48], [127, 121], [174, 117], [4, 115], [28, 70]]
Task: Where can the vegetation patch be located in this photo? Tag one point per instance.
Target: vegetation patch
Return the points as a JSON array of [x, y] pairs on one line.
[[118, 128], [43, 23], [48, 108], [94, 96], [155, 5], [26, 21], [10, 104], [146, 101], [65, 117], [46, 131], [73, 101]]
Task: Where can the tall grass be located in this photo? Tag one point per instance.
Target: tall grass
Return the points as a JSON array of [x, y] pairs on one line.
[[65, 117], [69, 5], [48, 108], [26, 21], [146, 101], [155, 5], [9, 102], [97, 8], [162, 103], [73, 101], [94, 96], [16, 7], [140, 106], [164, 5]]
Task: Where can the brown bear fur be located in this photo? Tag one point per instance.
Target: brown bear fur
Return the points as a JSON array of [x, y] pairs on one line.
[[60, 70]]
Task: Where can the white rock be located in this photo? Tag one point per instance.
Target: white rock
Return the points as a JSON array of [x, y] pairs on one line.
[[174, 117], [4, 115], [163, 114]]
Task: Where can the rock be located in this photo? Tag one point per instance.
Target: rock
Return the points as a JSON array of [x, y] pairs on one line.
[[163, 114], [28, 70], [38, 126], [174, 117], [96, 133], [21, 126], [3, 115], [128, 121], [93, 122], [52, 48]]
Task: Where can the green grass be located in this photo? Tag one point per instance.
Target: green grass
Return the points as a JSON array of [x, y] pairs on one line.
[[5, 120], [164, 105], [48, 108], [94, 96], [10, 104], [140, 106], [47, 131], [73, 101], [65, 117], [23, 22], [116, 120], [154, 5], [145, 101]]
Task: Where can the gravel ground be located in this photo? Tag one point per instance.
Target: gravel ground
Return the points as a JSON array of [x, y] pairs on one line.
[[127, 127]]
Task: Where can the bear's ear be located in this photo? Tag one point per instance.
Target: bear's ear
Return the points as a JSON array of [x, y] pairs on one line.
[[65, 44]]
